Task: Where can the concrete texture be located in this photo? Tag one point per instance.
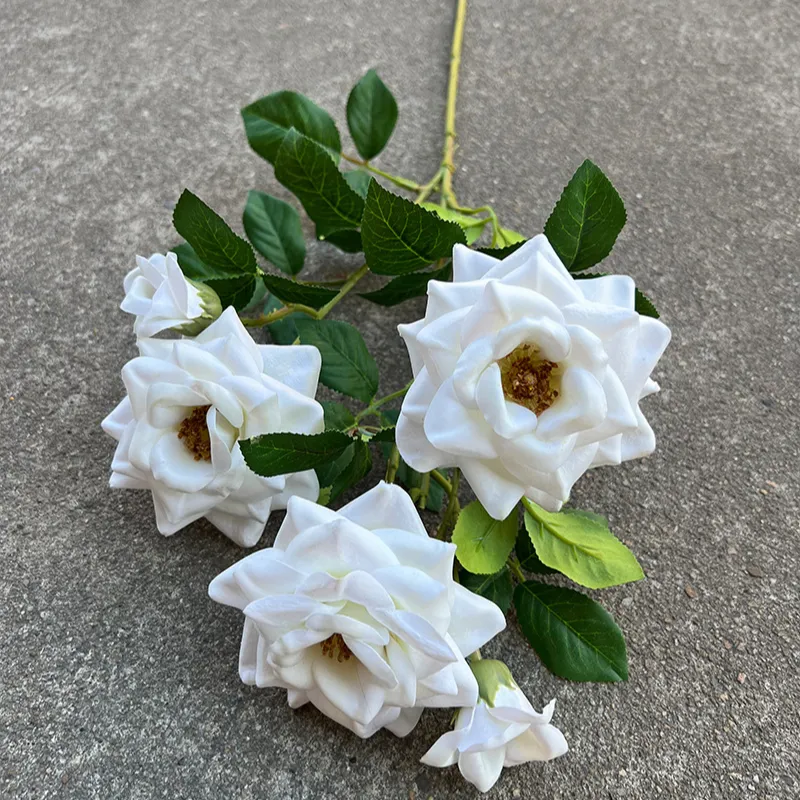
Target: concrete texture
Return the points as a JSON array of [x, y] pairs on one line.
[[117, 674]]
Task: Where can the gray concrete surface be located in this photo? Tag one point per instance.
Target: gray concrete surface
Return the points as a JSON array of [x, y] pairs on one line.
[[117, 674]]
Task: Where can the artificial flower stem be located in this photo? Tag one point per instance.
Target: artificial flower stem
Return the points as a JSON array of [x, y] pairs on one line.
[[278, 313], [321, 313], [453, 508], [372, 408], [441, 480], [393, 465], [346, 287], [497, 236], [448, 164], [402, 183], [431, 186], [424, 490], [516, 568]]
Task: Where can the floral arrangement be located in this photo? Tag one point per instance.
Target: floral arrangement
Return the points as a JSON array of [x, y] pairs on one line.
[[527, 370]]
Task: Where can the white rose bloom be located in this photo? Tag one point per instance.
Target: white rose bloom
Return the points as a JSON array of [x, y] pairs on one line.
[[357, 612], [526, 377], [501, 730], [189, 402], [161, 297]]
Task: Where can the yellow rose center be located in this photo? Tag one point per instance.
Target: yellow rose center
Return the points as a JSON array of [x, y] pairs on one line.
[[528, 379], [193, 432], [335, 647]]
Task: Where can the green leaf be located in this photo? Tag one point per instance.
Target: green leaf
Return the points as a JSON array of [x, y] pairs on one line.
[[281, 453], [358, 466], [260, 296], [371, 115], [512, 237], [274, 229], [358, 181], [501, 252], [528, 559], [349, 241], [347, 366], [337, 417], [327, 473], [284, 330], [236, 292], [404, 287], [644, 305], [497, 587], [580, 545], [472, 226], [400, 237], [307, 294], [586, 220], [384, 435], [575, 637], [482, 543], [305, 168], [268, 120], [190, 263], [224, 253]]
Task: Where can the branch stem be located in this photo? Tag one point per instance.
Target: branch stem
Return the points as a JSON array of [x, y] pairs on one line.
[[448, 162], [315, 313], [516, 568], [441, 480], [403, 183], [453, 508], [376, 404], [346, 287], [393, 465]]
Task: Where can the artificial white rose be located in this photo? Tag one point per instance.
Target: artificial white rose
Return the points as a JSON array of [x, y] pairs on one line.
[[162, 298], [357, 612], [525, 377], [189, 403], [501, 730]]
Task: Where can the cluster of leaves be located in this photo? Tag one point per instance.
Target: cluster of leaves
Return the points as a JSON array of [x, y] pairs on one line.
[[410, 244], [573, 634]]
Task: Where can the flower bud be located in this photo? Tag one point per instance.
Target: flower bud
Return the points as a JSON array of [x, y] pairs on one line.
[[209, 303], [491, 676], [501, 730]]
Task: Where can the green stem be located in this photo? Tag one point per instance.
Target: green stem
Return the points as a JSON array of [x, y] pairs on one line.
[[448, 163], [346, 287], [393, 465], [372, 408], [321, 313], [441, 480], [278, 313], [516, 568], [497, 236], [453, 509], [431, 186], [424, 490], [403, 183], [476, 656]]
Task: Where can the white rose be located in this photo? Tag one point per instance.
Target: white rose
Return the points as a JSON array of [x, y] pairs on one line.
[[357, 612], [501, 730], [189, 402], [526, 377], [161, 297]]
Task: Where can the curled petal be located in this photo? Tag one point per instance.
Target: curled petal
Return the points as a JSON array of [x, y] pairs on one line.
[[386, 501]]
